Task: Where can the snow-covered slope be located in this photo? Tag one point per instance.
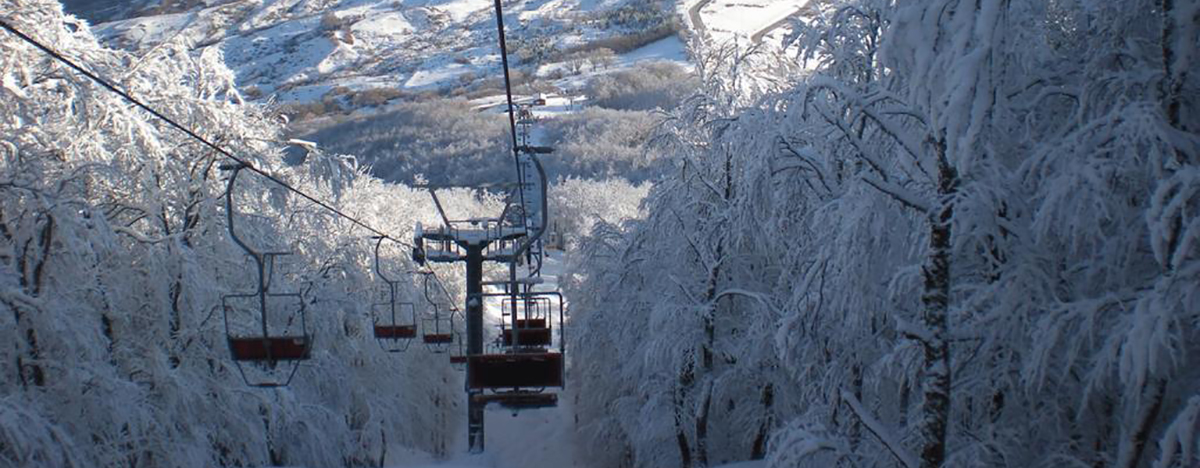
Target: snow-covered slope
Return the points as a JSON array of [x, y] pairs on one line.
[[304, 50], [742, 20], [98, 11]]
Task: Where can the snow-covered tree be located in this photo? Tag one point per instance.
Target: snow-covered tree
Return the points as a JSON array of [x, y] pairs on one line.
[[968, 228]]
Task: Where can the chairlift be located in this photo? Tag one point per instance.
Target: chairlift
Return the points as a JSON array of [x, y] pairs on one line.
[[523, 368], [258, 335], [524, 364], [395, 322], [525, 116], [530, 324], [438, 329], [458, 356], [459, 361]]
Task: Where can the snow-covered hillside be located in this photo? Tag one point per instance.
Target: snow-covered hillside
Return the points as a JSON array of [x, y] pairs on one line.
[[306, 50], [748, 21]]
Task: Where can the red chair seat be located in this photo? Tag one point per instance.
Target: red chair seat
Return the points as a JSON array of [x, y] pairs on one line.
[[521, 400], [531, 323], [395, 332], [281, 348], [528, 336], [438, 338], [525, 370]]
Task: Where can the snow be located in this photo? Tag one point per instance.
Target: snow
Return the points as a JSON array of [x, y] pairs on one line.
[[140, 32], [461, 10], [297, 51], [383, 24], [528, 439], [727, 20], [670, 49], [745, 464], [435, 74]]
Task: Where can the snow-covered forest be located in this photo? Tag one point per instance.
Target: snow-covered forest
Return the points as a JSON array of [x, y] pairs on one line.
[[968, 238], [911, 233]]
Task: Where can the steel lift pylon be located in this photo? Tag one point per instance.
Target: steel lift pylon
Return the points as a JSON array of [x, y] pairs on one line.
[[471, 246], [473, 242]]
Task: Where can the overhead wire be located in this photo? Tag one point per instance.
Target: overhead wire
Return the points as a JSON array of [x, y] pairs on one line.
[[512, 120]]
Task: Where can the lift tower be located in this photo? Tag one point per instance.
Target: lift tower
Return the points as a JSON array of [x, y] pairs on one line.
[[517, 374], [472, 242]]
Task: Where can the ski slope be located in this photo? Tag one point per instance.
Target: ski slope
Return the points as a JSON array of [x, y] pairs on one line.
[[539, 438]]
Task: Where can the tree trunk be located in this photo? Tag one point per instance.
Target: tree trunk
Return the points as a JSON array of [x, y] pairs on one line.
[[856, 385], [1173, 80], [32, 280], [758, 450], [686, 380], [935, 413], [382, 448], [708, 348], [1104, 415], [702, 425]]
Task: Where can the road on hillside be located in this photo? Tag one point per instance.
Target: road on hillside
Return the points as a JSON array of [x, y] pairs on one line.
[[698, 25], [809, 9], [697, 21], [758, 36]]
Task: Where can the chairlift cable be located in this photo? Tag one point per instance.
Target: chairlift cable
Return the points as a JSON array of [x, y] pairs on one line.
[[512, 120]]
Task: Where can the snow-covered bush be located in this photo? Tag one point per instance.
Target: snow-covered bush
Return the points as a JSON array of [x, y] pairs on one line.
[[648, 86], [578, 204]]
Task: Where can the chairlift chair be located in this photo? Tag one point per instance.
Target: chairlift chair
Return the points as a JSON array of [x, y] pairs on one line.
[[459, 361], [394, 322], [458, 355], [522, 367], [260, 335], [438, 328], [515, 371], [438, 333], [519, 400], [530, 324]]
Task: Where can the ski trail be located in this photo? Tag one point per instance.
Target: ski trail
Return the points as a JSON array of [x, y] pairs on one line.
[[697, 18], [808, 8]]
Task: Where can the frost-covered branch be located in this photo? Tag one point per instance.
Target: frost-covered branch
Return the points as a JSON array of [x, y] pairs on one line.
[[876, 428]]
